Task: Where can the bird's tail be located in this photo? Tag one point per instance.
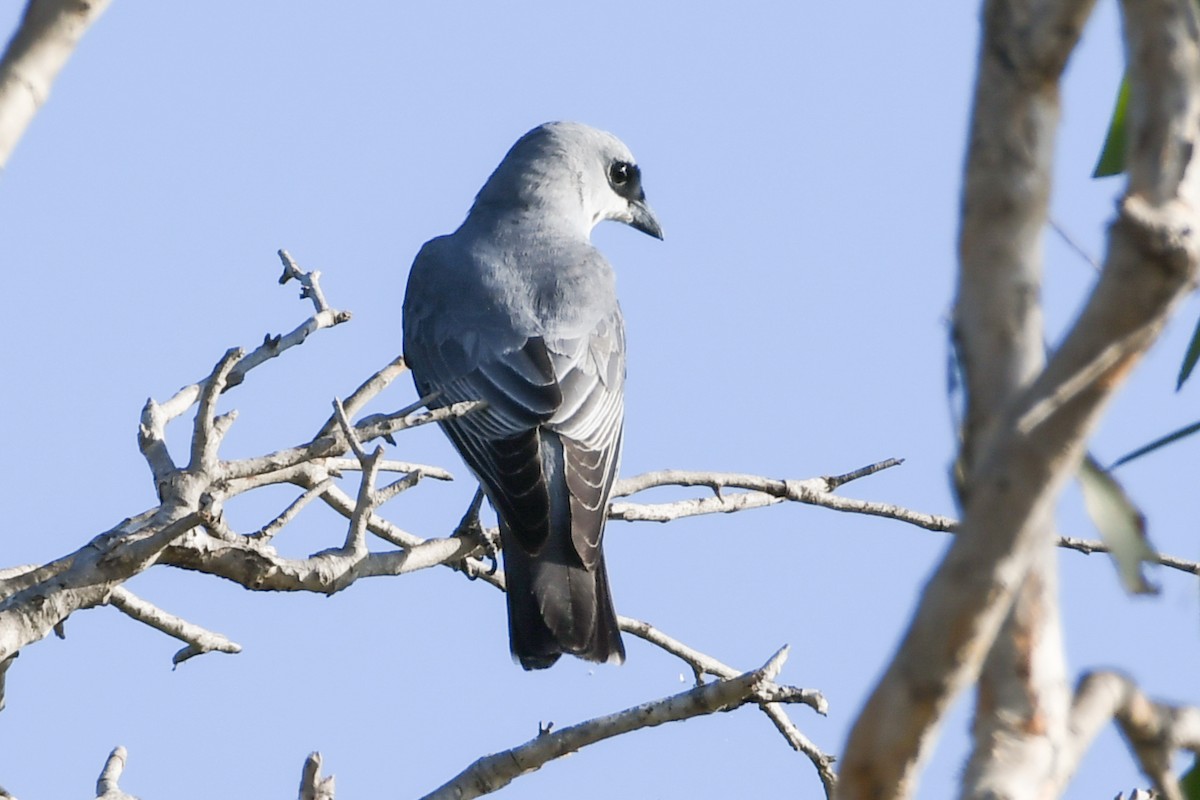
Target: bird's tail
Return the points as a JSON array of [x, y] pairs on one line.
[[556, 604], [557, 607]]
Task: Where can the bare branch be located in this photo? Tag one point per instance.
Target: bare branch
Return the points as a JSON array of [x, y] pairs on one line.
[[1071, 242], [333, 443], [1089, 546], [374, 385], [13, 573], [106, 784], [769, 491], [720, 480], [703, 664], [48, 34], [347, 428], [1154, 731], [267, 532], [256, 566], [398, 486], [691, 507], [199, 641], [206, 436], [152, 441], [378, 426], [834, 481], [310, 282], [356, 539], [496, 771], [4, 665], [103, 563], [1014, 474], [274, 346], [312, 785], [762, 492], [368, 390], [389, 465]]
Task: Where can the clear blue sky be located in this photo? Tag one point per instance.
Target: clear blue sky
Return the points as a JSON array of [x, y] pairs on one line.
[[804, 160]]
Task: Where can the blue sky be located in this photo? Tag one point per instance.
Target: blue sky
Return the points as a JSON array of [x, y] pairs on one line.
[[805, 162]]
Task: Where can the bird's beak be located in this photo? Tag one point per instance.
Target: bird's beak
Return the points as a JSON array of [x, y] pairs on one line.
[[642, 218]]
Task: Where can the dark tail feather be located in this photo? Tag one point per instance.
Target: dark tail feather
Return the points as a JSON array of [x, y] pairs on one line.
[[607, 642], [555, 603], [556, 606]]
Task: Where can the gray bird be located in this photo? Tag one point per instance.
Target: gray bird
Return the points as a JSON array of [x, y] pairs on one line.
[[518, 309]]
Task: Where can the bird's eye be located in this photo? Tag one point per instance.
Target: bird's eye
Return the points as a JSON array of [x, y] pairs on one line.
[[620, 173]]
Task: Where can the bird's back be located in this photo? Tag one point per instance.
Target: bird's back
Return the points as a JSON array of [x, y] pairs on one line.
[[517, 308]]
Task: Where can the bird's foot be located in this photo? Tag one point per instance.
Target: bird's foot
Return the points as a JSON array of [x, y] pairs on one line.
[[470, 527]]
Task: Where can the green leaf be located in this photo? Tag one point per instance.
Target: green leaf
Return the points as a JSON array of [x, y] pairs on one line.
[[1189, 358], [1112, 156], [1122, 526], [1182, 433], [1190, 782]]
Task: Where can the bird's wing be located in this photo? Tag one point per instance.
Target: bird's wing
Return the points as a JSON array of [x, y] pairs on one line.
[[589, 422], [569, 386]]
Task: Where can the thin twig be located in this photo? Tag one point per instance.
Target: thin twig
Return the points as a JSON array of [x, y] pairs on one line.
[[813, 491], [347, 428], [333, 444], [390, 465], [310, 282], [762, 492], [386, 493], [1089, 546], [268, 531], [703, 664], [199, 640], [1073, 244], [834, 481]]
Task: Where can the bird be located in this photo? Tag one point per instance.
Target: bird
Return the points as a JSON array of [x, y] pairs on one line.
[[518, 308]]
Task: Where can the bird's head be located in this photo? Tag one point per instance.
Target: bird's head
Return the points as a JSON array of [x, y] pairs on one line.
[[575, 172]]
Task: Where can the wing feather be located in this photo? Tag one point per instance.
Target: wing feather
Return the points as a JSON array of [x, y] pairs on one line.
[[567, 384]]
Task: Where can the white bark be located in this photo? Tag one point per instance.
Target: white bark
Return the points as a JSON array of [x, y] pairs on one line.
[[496, 771], [48, 34], [1021, 448]]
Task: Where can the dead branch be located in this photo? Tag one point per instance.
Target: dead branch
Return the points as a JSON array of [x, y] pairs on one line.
[[1154, 731], [198, 640], [761, 492], [496, 771], [312, 785], [703, 664], [106, 784]]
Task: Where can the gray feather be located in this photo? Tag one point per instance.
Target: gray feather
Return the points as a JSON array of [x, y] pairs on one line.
[[517, 308]]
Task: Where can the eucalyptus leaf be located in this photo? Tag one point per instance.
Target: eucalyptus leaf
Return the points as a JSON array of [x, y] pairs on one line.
[[1174, 436], [1189, 358], [1190, 782], [1121, 524], [1112, 156]]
